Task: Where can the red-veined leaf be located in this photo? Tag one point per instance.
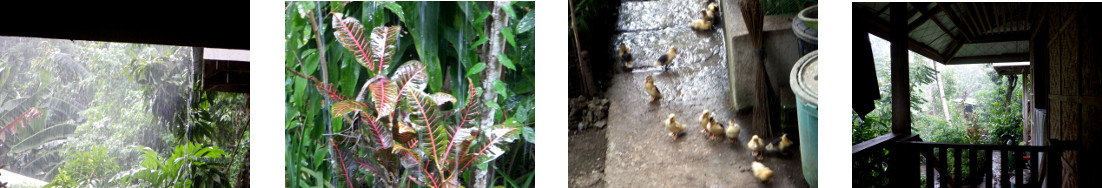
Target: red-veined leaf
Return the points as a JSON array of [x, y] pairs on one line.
[[351, 34], [383, 45], [344, 107], [384, 93], [378, 130], [468, 115], [343, 163], [410, 77]]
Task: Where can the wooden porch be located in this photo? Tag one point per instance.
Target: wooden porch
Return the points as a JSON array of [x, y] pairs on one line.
[[1061, 108]]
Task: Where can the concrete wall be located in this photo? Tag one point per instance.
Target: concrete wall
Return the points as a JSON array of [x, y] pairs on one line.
[[781, 49]]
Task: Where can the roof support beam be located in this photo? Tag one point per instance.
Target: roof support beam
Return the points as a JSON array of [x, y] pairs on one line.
[[1017, 57], [880, 29], [1004, 37], [967, 32], [926, 15]]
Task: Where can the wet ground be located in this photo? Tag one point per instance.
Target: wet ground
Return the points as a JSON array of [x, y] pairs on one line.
[[587, 158], [639, 152]]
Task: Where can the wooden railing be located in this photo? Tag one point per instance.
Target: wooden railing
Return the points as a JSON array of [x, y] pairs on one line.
[[886, 161], [980, 160], [870, 160]]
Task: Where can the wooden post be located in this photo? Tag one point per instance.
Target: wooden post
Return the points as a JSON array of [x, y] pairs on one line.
[[903, 173], [588, 86], [901, 92]]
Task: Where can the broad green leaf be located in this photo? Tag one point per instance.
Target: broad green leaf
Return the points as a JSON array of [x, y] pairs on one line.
[[396, 9], [508, 9], [506, 62], [42, 136], [300, 88], [527, 23], [477, 68], [499, 87], [508, 34], [311, 63], [482, 17], [344, 107], [529, 134], [423, 22], [384, 93], [481, 40]]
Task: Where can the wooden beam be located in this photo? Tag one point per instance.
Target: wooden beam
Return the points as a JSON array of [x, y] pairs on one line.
[[926, 15], [953, 52], [1003, 37], [1012, 70], [1017, 57], [878, 142], [880, 29], [900, 70], [964, 30]]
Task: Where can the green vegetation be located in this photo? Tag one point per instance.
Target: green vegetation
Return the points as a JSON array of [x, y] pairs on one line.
[[94, 114], [392, 94], [994, 119]]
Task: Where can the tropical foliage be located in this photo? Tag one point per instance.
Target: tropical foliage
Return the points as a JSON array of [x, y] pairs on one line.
[[391, 94], [90, 114], [993, 118]]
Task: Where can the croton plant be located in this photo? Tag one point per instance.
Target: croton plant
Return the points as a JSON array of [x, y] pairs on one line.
[[397, 130]]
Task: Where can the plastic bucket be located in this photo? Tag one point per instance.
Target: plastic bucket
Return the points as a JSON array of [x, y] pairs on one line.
[[806, 29], [804, 80]]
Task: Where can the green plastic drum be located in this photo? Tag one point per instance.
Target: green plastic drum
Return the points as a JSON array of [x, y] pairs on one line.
[[804, 80]]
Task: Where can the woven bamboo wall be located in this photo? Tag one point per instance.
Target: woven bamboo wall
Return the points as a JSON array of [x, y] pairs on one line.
[[1075, 86]]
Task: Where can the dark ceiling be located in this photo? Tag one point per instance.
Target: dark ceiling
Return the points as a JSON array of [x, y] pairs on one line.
[[182, 23]]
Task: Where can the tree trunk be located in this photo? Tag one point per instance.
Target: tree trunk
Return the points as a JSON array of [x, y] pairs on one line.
[[490, 74], [941, 92]]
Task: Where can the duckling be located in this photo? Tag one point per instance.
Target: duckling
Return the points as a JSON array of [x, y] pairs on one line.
[[710, 11], [756, 146], [732, 131], [652, 90], [666, 59], [779, 144], [625, 57], [674, 127], [715, 130], [704, 120], [701, 24], [763, 173]]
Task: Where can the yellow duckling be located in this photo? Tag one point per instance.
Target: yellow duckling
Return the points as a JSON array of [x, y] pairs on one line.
[[674, 127], [779, 144], [666, 59], [704, 116], [763, 173], [756, 146], [652, 90], [625, 57], [732, 131]]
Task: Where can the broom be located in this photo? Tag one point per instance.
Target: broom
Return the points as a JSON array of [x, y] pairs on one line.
[[767, 103]]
